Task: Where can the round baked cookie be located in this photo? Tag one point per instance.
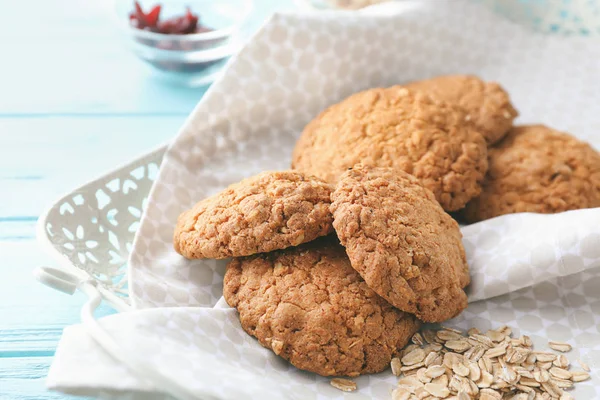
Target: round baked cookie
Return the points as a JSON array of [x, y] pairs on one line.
[[401, 241], [487, 104], [310, 307], [402, 129], [538, 169], [269, 211]]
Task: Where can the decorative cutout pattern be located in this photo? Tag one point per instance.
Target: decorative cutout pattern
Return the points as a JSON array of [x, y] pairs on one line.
[[93, 227]]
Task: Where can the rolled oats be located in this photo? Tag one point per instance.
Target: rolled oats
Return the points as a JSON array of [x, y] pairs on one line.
[[560, 373], [495, 335], [401, 394], [544, 356], [345, 385], [414, 357], [459, 346], [417, 339], [437, 390], [460, 369], [561, 361], [423, 376], [441, 380], [493, 366], [583, 365], [578, 376], [473, 331], [396, 365], [447, 335], [560, 346]]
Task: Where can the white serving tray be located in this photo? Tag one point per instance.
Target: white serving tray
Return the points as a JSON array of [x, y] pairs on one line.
[[90, 231]]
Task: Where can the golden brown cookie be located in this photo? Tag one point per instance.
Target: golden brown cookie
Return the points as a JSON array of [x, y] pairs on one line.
[[397, 128], [538, 169], [401, 241], [487, 104], [269, 211], [310, 307]]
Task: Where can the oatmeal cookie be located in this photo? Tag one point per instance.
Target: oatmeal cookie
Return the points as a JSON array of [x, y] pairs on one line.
[[403, 244], [402, 129], [487, 104], [270, 211], [537, 169], [310, 307]]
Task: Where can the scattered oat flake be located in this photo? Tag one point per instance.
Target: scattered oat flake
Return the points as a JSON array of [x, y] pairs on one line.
[[447, 335], [437, 390], [400, 394], [464, 396], [414, 357], [561, 361], [560, 346], [452, 330], [422, 376], [487, 394], [473, 331], [459, 346], [417, 339], [495, 335], [410, 382], [578, 376], [411, 367], [396, 365], [435, 370], [584, 365], [545, 356], [560, 373], [460, 369], [345, 385]]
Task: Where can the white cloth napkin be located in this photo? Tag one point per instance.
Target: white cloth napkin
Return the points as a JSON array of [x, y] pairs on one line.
[[536, 273]]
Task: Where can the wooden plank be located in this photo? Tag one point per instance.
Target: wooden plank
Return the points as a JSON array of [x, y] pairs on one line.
[[43, 158], [23, 379], [33, 315]]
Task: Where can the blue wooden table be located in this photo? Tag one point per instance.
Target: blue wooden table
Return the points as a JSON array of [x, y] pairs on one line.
[[74, 103]]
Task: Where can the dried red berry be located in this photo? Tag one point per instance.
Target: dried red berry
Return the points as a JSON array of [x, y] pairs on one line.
[[185, 24], [139, 16], [152, 16]]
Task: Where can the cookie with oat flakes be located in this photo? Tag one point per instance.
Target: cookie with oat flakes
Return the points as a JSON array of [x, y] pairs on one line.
[[487, 104], [401, 129], [310, 307], [403, 244], [269, 211], [538, 169]]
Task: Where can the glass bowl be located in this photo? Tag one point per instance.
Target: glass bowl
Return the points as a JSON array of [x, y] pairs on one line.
[[319, 5], [192, 59]]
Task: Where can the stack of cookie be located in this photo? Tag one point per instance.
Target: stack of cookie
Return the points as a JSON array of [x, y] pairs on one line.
[[455, 134], [336, 262]]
